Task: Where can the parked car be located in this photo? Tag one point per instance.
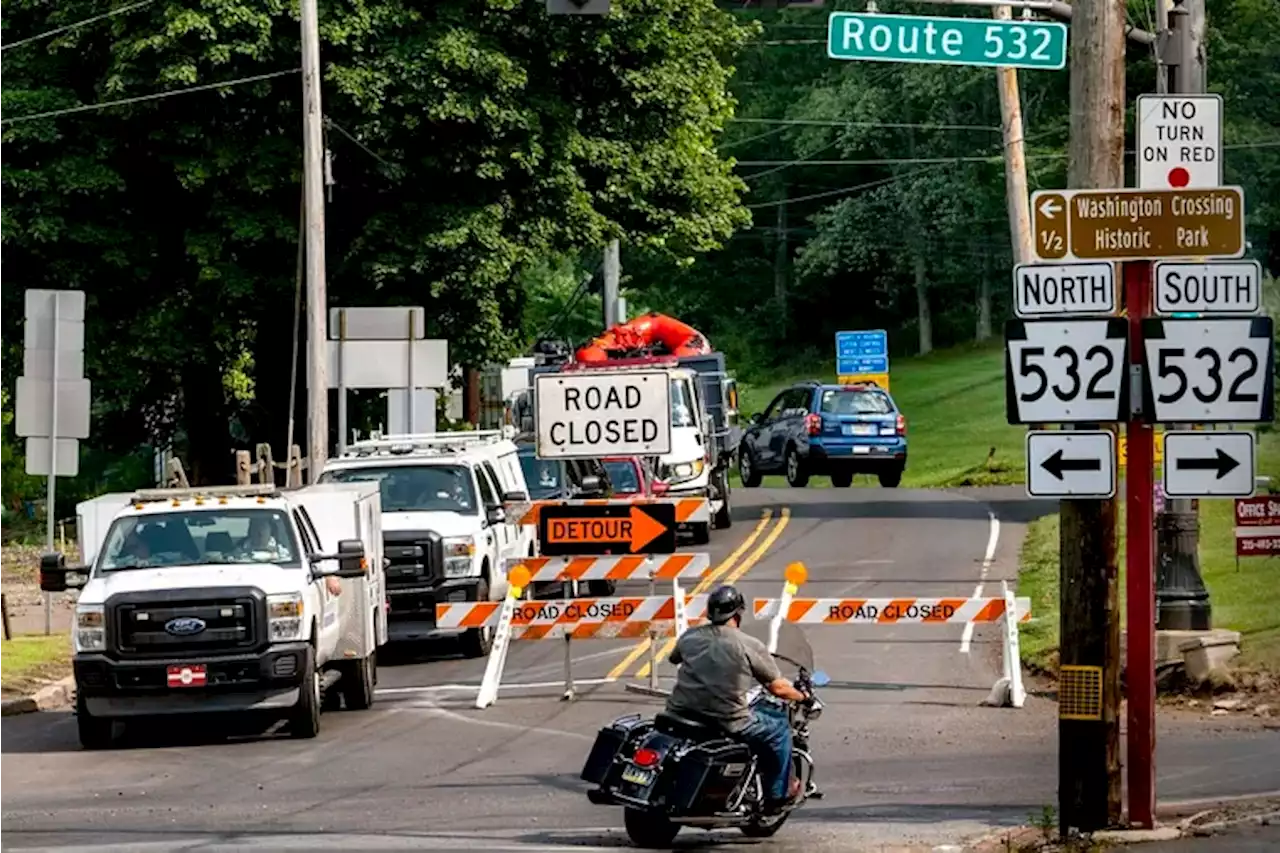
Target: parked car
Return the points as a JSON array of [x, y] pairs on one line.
[[817, 428], [633, 477]]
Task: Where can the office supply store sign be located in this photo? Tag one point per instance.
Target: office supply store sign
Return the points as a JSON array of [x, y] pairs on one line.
[[592, 414]]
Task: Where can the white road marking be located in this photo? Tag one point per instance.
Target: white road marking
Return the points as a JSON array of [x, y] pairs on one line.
[[436, 711], [992, 540], [472, 688]]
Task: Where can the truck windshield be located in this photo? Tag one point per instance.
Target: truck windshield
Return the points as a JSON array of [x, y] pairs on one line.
[[415, 488], [199, 537], [682, 404], [541, 475]]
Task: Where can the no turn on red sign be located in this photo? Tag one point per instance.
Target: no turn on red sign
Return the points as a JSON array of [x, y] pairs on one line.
[[1179, 141]]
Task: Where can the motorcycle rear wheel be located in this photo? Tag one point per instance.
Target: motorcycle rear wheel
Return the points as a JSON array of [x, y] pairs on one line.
[[648, 829], [764, 827]]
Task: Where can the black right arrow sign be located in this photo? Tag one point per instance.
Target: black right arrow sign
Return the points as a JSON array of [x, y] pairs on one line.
[[1223, 463], [1057, 464]]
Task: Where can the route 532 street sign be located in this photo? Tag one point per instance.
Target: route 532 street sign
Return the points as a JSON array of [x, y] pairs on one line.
[[1211, 370], [1066, 371]]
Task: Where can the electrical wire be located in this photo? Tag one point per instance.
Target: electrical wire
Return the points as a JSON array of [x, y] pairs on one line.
[[77, 24], [152, 97]]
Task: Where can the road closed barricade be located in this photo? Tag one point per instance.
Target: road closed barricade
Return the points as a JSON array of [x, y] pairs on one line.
[[687, 510], [620, 617], [1005, 610]]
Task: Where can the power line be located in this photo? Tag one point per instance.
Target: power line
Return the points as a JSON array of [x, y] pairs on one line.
[[78, 24], [785, 163], [842, 190], [155, 96], [804, 122]]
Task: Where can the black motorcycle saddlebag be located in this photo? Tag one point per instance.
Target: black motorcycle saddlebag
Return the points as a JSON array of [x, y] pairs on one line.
[[707, 777], [609, 740]]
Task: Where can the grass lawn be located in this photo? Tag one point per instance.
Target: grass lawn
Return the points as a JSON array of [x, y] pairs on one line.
[[954, 404], [31, 661], [1244, 599]]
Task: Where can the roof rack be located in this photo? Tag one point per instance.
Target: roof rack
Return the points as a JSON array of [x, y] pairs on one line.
[[250, 491], [428, 442], [623, 364]]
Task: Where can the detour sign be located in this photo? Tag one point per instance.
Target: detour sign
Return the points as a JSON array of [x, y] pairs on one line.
[[566, 530]]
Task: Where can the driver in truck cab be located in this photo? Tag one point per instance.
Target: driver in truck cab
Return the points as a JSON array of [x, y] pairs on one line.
[[718, 665]]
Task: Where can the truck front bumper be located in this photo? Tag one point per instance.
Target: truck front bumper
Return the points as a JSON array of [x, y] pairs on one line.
[[412, 616], [268, 680]]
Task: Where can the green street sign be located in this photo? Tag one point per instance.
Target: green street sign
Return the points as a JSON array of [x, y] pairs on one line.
[[946, 41]]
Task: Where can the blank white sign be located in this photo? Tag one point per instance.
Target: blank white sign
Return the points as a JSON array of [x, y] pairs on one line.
[[68, 461]]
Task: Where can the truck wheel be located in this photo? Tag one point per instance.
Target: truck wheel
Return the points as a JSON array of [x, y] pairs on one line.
[[723, 519], [304, 719], [95, 732], [477, 642], [357, 682], [649, 829]]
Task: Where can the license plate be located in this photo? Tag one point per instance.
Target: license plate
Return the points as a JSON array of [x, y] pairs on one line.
[[190, 675], [862, 449], [636, 776], [859, 429]]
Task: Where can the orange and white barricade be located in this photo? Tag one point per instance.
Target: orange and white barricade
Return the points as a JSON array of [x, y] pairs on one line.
[[688, 510], [914, 610], [619, 617], [649, 567]]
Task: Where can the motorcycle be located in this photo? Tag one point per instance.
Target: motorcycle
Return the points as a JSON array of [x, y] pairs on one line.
[[670, 771]]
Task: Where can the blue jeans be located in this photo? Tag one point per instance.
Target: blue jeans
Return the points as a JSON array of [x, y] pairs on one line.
[[769, 734]]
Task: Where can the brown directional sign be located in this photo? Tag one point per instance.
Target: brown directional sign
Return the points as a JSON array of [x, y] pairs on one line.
[[1136, 225], [568, 530]]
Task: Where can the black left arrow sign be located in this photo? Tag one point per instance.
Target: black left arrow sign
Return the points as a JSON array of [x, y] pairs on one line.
[[1056, 464], [1223, 463]]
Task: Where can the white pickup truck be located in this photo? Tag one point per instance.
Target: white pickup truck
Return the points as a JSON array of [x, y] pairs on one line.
[[238, 599]]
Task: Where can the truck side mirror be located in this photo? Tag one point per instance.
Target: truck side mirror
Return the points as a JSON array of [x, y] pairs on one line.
[[57, 576], [757, 418], [591, 483], [496, 515], [514, 497], [351, 561]]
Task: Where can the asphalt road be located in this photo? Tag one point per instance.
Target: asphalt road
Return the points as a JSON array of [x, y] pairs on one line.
[[907, 756]]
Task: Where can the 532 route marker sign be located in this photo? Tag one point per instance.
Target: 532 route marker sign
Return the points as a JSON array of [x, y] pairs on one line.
[[1208, 464], [1071, 464], [568, 530], [1066, 371], [1211, 370]]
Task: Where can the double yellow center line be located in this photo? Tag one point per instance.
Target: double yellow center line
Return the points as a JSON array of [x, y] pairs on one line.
[[723, 573]]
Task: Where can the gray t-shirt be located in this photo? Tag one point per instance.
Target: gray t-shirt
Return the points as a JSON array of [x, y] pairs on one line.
[[718, 665]]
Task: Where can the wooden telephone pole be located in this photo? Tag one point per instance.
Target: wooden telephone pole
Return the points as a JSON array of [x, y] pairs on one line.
[[1089, 791]]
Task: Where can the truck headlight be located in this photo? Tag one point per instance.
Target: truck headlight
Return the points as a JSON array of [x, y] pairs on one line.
[[91, 628], [685, 470], [284, 616], [458, 553]]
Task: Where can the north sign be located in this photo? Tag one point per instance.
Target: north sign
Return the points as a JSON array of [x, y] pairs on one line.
[[946, 41], [1064, 289], [1217, 287], [1136, 225], [1211, 370], [566, 530], [1208, 464], [1068, 464], [1066, 371]]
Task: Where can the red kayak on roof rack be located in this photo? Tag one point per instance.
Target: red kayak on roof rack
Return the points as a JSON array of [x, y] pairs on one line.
[[651, 334]]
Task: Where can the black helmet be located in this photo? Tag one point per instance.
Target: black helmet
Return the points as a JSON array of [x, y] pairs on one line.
[[724, 603]]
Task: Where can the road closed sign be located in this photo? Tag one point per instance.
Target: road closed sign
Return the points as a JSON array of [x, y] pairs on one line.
[[603, 413]]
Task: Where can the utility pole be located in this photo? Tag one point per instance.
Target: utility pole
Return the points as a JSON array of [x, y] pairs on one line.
[[1017, 195], [313, 195], [612, 275], [1089, 792], [1182, 601]]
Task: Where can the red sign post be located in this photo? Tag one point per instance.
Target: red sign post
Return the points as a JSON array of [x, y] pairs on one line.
[[1140, 580]]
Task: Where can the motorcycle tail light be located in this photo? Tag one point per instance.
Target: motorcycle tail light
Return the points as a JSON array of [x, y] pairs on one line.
[[645, 758]]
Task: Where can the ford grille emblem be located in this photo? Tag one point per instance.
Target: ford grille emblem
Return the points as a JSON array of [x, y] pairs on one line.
[[184, 626]]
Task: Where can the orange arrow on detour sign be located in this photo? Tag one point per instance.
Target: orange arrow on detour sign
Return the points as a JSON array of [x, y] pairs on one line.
[[566, 530]]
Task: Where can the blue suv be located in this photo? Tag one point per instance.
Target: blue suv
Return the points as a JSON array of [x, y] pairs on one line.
[[839, 430]]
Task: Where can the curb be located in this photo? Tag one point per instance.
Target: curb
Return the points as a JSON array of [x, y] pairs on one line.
[[51, 697]]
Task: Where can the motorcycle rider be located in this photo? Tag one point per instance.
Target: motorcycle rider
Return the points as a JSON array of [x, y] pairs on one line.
[[717, 665]]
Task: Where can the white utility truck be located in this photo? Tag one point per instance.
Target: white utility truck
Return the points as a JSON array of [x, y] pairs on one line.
[[445, 532], [237, 599]]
